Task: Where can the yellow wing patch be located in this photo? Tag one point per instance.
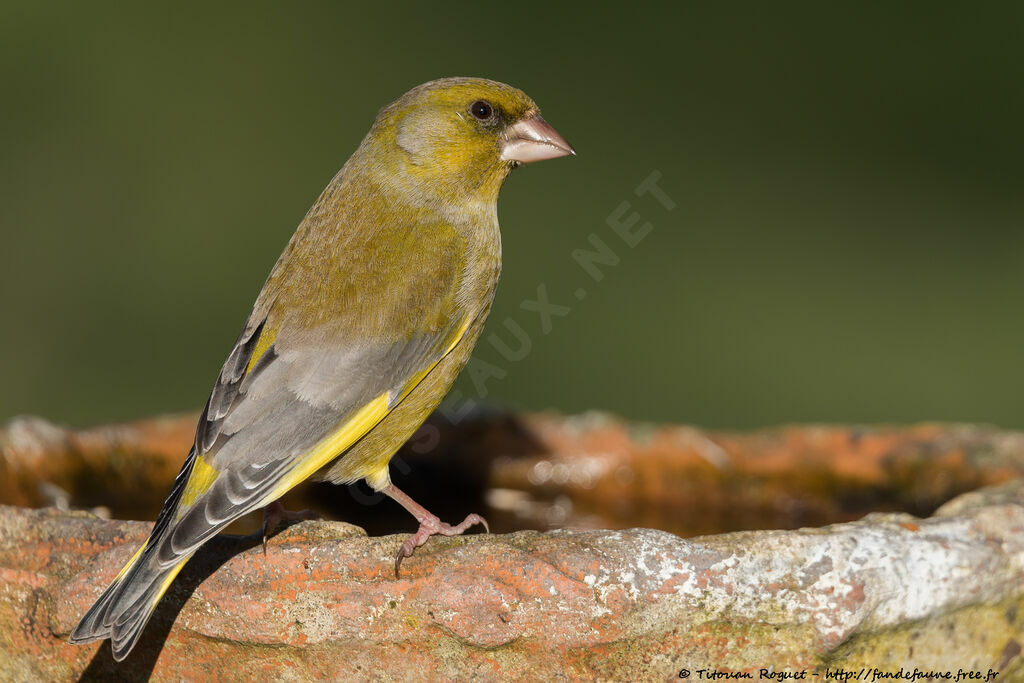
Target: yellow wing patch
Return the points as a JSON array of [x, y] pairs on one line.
[[267, 337], [199, 482], [168, 580], [457, 338], [357, 426]]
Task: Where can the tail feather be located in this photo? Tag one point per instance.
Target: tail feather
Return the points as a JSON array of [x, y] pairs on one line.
[[125, 607], [90, 626]]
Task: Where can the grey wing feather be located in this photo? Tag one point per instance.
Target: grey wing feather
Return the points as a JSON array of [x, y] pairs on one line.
[[291, 399], [227, 387]]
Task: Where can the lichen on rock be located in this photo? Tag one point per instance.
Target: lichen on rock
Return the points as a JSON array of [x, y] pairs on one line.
[[941, 592]]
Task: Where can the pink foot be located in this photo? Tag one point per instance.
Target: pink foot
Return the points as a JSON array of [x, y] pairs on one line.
[[431, 526], [275, 513]]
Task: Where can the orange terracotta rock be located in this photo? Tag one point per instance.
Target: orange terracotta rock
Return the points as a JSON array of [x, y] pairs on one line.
[[544, 471], [939, 592], [324, 604]]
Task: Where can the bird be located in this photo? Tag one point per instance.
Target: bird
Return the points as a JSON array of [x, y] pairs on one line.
[[360, 330]]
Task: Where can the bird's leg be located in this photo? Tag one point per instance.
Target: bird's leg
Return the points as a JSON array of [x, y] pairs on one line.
[[429, 524], [275, 513]]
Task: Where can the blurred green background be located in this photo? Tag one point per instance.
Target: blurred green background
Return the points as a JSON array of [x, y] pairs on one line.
[[847, 243]]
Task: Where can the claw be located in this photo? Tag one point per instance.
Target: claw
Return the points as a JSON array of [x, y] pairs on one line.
[[432, 526], [275, 513]]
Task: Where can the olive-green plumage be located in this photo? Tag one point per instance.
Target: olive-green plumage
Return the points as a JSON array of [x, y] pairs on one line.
[[359, 332]]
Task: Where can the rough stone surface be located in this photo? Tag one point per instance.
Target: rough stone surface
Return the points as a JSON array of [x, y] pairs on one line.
[[940, 590], [888, 591]]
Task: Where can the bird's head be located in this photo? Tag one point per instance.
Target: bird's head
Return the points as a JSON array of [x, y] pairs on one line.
[[462, 136]]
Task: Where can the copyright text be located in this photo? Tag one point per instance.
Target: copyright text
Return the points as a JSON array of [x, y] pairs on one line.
[[868, 674]]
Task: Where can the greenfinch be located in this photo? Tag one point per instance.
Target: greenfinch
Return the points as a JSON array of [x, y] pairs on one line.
[[360, 330]]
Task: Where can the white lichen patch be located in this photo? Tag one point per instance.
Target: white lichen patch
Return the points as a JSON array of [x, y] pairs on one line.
[[879, 572], [846, 576]]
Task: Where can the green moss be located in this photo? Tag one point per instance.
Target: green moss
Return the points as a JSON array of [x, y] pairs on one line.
[[978, 637]]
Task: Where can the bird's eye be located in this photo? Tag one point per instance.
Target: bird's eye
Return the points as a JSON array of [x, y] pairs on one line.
[[481, 109]]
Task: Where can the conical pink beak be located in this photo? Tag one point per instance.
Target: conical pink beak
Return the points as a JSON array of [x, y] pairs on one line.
[[532, 139]]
